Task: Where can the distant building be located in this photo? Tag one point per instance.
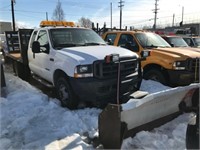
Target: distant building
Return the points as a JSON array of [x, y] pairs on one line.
[[5, 26]]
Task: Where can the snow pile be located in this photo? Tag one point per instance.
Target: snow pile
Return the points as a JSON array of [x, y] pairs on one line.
[[32, 120], [168, 136]]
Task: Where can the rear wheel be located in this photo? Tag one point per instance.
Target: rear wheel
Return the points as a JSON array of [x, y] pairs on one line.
[[155, 75], [65, 93]]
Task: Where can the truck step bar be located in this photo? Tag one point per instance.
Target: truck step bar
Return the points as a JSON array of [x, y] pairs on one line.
[[42, 81]]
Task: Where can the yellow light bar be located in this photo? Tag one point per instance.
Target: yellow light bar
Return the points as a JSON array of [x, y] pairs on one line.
[[56, 23]]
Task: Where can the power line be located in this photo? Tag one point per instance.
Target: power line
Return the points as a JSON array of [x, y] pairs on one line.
[[5, 6], [30, 11]]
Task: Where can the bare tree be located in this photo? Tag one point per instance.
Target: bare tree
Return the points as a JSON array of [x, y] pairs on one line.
[[85, 22], [58, 13]]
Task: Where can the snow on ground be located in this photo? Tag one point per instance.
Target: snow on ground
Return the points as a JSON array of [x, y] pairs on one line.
[[32, 120]]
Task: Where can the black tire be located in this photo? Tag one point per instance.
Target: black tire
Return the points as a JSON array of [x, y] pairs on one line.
[[155, 75], [192, 138], [65, 93]]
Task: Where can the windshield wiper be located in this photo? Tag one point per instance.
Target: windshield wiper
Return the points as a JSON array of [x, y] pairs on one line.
[[93, 43], [165, 46], [60, 46], [151, 46]]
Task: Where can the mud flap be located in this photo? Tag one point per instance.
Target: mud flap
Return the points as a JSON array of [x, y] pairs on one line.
[[117, 122]]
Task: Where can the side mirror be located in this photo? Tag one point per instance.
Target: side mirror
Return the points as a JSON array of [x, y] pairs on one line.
[[109, 42], [145, 53], [36, 47], [172, 44]]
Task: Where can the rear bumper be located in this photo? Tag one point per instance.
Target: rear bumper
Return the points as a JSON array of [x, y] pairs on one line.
[[103, 90], [180, 78]]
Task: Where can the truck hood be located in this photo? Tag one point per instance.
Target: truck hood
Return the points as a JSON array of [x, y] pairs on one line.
[[179, 52], [196, 49], [89, 54]]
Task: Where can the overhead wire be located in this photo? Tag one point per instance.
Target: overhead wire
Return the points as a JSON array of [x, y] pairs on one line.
[[5, 6]]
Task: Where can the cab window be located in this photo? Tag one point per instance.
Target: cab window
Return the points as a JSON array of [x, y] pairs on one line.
[[43, 40], [127, 41], [33, 38], [111, 38]]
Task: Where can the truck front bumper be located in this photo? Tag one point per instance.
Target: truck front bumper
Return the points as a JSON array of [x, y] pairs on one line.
[[103, 91], [181, 78]]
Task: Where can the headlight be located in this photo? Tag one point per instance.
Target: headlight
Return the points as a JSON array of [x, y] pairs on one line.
[[82, 71], [180, 65]]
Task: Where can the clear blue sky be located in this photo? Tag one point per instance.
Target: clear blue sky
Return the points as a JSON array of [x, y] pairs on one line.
[[135, 12]]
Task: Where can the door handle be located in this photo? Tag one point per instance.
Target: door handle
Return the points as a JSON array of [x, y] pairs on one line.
[[51, 59]]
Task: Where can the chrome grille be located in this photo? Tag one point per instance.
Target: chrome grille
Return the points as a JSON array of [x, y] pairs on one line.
[[109, 70], [193, 65]]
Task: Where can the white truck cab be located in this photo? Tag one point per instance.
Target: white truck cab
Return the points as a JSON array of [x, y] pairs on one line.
[[72, 59]]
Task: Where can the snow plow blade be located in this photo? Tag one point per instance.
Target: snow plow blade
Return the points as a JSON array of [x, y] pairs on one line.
[[117, 122]]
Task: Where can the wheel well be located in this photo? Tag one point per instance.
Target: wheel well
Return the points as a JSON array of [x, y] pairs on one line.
[[58, 73], [158, 67]]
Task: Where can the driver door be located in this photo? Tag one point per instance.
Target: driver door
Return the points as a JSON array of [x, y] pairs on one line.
[[42, 59]]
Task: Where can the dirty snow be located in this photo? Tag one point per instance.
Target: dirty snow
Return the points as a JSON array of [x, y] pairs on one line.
[[32, 120]]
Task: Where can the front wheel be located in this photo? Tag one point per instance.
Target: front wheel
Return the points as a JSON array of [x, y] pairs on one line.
[[65, 93], [155, 75]]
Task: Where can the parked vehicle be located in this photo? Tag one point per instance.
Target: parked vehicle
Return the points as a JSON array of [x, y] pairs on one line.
[[175, 41], [2, 43], [193, 41], [178, 41], [170, 66], [75, 61]]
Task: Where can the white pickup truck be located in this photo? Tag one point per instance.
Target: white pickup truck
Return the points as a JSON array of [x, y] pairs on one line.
[[73, 61]]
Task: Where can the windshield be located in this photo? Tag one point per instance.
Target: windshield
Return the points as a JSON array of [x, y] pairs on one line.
[[149, 40], [177, 41], [71, 37], [197, 41]]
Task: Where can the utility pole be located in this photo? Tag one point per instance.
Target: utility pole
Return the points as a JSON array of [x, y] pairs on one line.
[[173, 20], [120, 6], [155, 11], [47, 16], [182, 14], [13, 14], [111, 16]]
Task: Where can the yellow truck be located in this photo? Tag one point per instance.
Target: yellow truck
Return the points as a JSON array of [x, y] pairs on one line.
[[170, 66]]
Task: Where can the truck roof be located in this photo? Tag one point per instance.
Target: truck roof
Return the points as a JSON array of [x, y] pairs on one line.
[[132, 31]]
